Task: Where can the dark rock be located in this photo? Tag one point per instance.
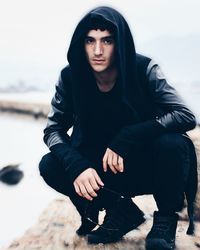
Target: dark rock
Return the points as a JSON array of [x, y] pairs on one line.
[[197, 244], [11, 175]]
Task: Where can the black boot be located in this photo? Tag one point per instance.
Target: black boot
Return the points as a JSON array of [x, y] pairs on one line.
[[163, 232], [89, 217], [81, 205], [89, 210], [124, 217], [87, 224]]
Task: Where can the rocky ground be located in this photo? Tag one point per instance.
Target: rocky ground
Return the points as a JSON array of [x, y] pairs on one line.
[[56, 227]]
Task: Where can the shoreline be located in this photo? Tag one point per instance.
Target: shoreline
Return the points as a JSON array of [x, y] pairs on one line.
[[36, 104]]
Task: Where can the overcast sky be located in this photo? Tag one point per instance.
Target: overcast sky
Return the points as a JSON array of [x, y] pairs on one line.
[[35, 33]]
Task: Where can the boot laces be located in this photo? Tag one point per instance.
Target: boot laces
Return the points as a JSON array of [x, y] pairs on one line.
[[163, 226], [110, 219]]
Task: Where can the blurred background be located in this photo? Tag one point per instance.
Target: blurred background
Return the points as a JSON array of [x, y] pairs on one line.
[[34, 39]]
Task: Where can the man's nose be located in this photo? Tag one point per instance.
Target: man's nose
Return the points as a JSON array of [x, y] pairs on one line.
[[98, 50]]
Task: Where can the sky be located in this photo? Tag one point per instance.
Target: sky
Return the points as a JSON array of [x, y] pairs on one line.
[[35, 34]]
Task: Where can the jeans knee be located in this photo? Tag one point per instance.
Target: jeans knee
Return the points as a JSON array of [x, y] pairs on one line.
[[54, 175], [171, 143], [45, 164]]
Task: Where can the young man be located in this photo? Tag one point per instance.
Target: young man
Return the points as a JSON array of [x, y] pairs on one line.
[[128, 135]]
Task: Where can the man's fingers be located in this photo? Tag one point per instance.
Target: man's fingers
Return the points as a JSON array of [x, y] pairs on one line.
[[84, 192], [90, 190], [94, 184], [105, 166], [117, 162], [113, 169], [98, 179], [114, 159], [110, 163], [121, 164], [77, 190]]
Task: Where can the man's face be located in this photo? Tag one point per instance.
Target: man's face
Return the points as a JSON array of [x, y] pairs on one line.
[[99, 47]]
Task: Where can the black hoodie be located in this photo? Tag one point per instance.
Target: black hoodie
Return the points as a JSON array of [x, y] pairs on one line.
[[126, 58]]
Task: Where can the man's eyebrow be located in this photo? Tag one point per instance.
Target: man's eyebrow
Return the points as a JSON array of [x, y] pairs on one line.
[[89, 37], [104, 37]]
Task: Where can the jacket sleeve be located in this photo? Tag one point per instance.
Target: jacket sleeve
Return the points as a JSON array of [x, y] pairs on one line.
[[176, 116], [60, 120]]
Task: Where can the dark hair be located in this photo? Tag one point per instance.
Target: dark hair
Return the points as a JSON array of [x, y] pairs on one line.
[[98, 22]]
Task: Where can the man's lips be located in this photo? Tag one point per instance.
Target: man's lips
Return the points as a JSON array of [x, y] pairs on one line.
[[98, 61]]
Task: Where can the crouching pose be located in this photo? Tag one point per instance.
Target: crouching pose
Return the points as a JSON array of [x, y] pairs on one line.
[[128, 135]]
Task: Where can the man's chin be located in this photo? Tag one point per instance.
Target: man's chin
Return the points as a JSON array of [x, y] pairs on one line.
[[99, 69]]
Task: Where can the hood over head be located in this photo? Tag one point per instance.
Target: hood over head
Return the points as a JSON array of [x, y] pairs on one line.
[[125, 53]]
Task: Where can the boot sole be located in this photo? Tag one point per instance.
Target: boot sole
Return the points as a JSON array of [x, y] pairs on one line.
[[93, 240], [96, 239], [83, 232]]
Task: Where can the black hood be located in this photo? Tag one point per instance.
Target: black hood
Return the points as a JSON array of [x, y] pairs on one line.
[[126, 54]]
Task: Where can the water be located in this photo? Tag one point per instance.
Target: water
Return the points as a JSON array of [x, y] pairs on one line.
[[21, 141]]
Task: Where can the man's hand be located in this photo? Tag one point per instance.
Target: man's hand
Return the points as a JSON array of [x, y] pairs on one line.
[[113, 160], [87, 183]]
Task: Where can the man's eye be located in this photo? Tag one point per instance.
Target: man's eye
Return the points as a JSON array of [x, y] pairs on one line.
[[89, 40], [108, 41]]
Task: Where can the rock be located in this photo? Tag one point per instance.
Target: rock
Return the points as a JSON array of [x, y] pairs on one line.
[[56, 227], [11, 175], [195, 137]]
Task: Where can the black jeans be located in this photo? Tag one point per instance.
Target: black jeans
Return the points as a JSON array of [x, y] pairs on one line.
[[161, 167]]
